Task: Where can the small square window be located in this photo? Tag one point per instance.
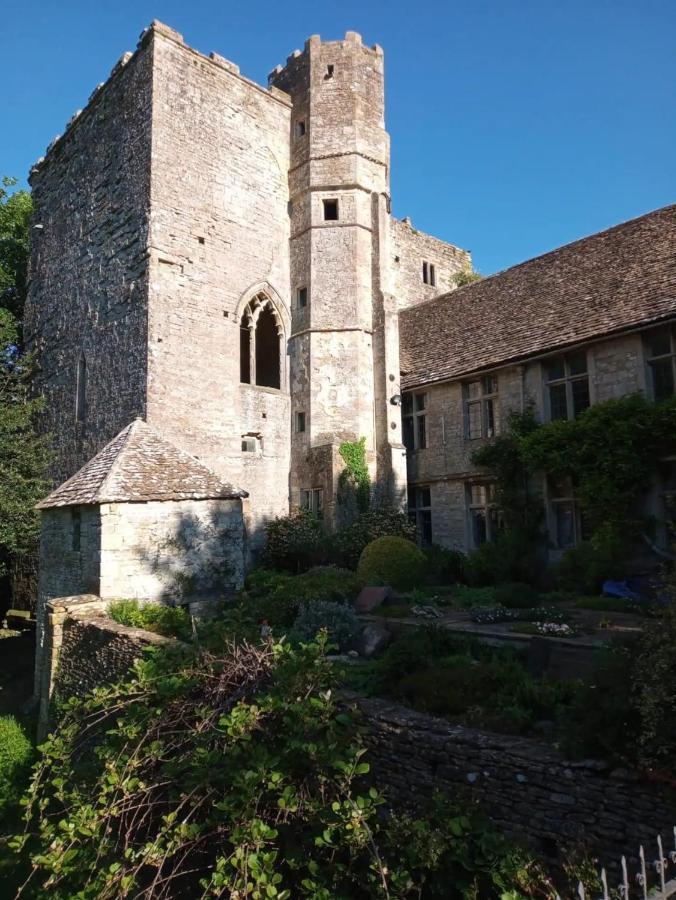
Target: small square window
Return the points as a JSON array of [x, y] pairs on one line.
[[300, 128], [330, 210], [301, 297], [300, 422], [250, 443]]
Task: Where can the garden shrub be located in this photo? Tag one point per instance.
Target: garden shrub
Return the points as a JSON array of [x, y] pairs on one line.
[[170, 621], [469, 597], [295, 542], [584, 568], [16, 751], [338, 619], [513, 556], [602, 722], [393, 561], [241, 775], [516, 595], [349, 542], [445, 566], [654, 693], [276, 597]]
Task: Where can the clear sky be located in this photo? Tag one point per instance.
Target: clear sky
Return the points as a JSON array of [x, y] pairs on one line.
[[517, 125]]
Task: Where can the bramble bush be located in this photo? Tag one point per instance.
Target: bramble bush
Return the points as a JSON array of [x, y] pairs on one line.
[[393, 561], [241, 775]]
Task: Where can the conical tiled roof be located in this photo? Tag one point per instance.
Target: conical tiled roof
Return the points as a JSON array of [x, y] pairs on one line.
[[136, 466]]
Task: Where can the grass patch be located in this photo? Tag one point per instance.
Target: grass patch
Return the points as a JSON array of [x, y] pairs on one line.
[[169, 621]]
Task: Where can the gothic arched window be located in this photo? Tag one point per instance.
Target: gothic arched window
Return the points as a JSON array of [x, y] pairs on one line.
[[260, 345]]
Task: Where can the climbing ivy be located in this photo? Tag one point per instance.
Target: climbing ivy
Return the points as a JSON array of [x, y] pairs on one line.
[[356, 472], [609, 453]]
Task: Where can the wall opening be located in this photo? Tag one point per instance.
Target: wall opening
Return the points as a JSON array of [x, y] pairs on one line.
[[267, 350], [81, 389], [330, 210], [244, 351]]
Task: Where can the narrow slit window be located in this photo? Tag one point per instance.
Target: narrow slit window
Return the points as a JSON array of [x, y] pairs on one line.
[[81, 390], [300, 128], [301, 298], [330, 210], [300, 422], [330, 69], [76, 532]]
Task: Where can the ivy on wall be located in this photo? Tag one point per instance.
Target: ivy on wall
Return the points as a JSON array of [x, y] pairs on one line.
[[609, 454], [356, 472]]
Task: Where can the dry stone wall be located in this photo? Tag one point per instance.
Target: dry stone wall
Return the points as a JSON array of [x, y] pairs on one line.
[[527, 788]]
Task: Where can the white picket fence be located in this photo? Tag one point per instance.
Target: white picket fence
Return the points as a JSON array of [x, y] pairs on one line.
[[646, 879]]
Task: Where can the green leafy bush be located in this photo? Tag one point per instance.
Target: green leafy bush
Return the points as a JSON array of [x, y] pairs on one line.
[[338, 619], [513, 556], [654, 693], [170, 621], [470, 597], [393, 561], [516, 595], [445, 566], [584, 568], [295, 542], [276, 597], [16, 752], [602, 722], [240, 774], [348, 543]]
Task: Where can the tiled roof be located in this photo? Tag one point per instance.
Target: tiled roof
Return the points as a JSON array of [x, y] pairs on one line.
[[138, 465], [610, 282]]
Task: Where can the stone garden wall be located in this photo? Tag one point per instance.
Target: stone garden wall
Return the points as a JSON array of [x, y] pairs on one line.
[[527, 787]]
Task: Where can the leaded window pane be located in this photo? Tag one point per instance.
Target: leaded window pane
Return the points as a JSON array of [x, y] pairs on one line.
[[558, 406], [473, 390], [580, 394], [577, 363], [565, 524], [662, 377], [479, 527], [422, 433], [659, 343], [474, 419], [555, 369]]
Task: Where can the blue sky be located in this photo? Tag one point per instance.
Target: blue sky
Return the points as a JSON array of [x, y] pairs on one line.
[[516, 126]]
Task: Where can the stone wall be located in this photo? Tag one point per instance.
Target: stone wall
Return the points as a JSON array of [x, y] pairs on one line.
[[219, 234], [527, 788], [409, 249], [616, 367], [84, 649], [88, 286]]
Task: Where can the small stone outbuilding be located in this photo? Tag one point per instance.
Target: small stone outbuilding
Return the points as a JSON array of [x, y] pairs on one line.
[[141, 520]]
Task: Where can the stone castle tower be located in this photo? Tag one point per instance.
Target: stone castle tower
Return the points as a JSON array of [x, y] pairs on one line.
[[220, 260]]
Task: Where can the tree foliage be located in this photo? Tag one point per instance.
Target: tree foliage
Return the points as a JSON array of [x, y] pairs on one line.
[[15, 212], [23, 453]]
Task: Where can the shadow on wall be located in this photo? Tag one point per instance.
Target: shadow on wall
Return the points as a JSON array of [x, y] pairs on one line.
[[193, 556]]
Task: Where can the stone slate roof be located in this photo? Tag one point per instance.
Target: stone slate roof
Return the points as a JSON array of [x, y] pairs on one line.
[[136, 466], [608, 283]]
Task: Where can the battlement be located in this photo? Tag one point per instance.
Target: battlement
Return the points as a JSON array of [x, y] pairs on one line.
[[154, 28], [299, 58]]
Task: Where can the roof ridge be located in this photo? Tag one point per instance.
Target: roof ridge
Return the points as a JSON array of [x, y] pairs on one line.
[[125, 435], [587, 237]]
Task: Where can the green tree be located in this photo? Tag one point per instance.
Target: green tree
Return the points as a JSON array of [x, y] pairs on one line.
[[15, 212], [23, 453]]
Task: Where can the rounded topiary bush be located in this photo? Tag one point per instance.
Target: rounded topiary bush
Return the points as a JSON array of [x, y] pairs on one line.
[[393, 561]]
